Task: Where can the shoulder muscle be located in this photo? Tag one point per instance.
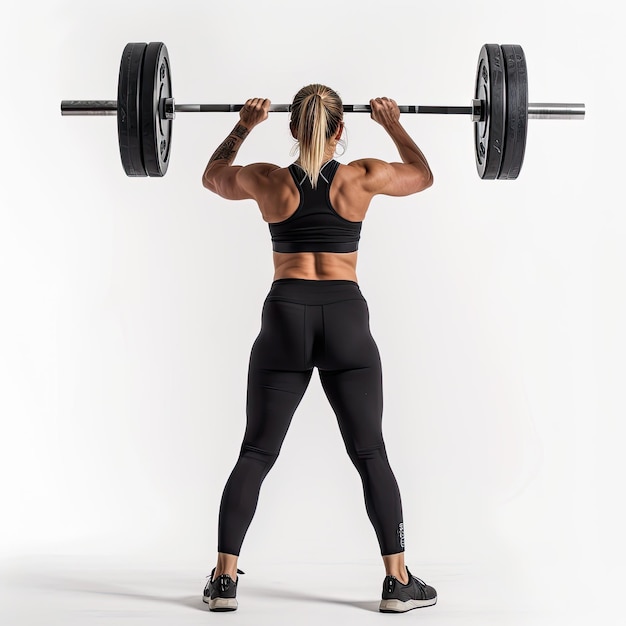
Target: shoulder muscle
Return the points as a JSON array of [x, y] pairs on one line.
[[392, 179], [237, 182]]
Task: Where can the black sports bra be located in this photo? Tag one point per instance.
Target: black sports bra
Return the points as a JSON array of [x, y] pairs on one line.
[[315, 226]]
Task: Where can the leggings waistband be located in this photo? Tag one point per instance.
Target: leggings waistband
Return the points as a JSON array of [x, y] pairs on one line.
[[314, 292], [302, 281]]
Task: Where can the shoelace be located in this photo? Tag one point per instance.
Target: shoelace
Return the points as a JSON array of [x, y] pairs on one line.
[[420, 582]]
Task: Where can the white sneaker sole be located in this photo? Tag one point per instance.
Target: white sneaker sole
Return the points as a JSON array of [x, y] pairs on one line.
[[398, 606], [221, 604]]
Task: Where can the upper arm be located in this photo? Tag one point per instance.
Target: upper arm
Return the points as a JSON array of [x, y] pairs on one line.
[[393, 179], [237, 182]]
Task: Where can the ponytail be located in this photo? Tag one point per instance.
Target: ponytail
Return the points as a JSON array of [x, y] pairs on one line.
[[316, 113]]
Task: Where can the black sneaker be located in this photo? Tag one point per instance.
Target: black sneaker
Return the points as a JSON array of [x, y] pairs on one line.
[[221, 594], [399, 598]]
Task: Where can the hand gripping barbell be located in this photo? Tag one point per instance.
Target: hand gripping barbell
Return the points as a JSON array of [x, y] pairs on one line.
[[145, 110]]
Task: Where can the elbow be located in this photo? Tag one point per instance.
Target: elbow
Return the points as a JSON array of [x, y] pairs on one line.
[[425, 180], [422, 177], [207, 183], [430, 179], [427, 177]]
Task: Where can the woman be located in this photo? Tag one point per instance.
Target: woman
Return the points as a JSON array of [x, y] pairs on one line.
[[316, 316]]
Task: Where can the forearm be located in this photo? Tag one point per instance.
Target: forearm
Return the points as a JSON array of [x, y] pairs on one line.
[[409, 152], [227, 150]]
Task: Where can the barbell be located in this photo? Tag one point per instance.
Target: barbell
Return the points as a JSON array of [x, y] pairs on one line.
[[499, 110]]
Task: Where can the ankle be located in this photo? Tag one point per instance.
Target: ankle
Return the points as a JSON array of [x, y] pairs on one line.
[[402, 576]]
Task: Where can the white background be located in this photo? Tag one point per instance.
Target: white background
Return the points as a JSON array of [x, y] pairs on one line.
[[129, 306]]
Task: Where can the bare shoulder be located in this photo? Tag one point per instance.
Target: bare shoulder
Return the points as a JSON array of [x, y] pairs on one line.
[[372, 174], [237, 182], [365, 167], [257, 177], [260, 170], [375, 176]]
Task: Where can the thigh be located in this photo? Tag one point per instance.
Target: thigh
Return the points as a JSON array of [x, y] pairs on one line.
[[277, 375]]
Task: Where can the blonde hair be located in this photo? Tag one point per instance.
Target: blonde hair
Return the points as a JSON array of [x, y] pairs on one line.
[[316, 113]]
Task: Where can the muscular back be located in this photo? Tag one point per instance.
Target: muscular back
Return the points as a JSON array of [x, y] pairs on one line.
[[351, 192], [279, 199]]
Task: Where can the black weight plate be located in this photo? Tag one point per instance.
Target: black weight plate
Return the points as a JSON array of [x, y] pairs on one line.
[[128, 109], [156, 129], [489, 131], [516, 111]]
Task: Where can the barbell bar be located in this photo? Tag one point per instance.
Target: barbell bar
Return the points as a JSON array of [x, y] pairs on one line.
[[536, 110], [145, 110]]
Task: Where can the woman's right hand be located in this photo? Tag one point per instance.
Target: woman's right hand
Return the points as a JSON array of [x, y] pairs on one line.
[[385, 111]]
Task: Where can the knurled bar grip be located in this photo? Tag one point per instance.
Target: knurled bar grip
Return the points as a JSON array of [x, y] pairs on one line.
[[347, 108]]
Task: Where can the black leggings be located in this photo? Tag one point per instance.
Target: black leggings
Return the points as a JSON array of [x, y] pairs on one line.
[[307, 324]]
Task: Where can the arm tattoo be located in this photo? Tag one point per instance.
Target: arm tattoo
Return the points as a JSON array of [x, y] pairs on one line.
[[229, 147], [240, 131], [225, 151]]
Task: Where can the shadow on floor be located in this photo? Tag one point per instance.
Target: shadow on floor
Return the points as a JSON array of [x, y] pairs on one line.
[[70, 584]]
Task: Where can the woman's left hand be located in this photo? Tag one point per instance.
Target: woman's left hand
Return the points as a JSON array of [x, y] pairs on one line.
[[254, 111]]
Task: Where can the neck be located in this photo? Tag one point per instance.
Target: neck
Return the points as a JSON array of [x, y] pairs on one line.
[[329, 153]]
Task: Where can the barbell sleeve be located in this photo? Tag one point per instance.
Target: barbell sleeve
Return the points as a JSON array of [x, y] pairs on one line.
[[89, 107], [556, 111]]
